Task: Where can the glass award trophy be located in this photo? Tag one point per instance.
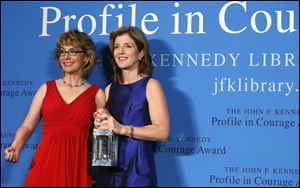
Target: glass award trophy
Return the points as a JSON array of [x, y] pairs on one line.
[[105, 148]]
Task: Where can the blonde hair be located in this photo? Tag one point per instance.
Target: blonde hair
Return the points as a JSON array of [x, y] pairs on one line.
[[83, 40]]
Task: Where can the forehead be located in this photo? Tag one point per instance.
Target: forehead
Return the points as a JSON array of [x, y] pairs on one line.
[[125, 38]]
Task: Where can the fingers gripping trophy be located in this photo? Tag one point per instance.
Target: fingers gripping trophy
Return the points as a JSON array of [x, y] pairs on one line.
[[105, 142]]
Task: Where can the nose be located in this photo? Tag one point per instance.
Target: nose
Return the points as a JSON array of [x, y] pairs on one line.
[[121, 50]]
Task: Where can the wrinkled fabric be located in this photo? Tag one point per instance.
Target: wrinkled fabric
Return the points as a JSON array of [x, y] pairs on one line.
[[61, 158], [128, 104]]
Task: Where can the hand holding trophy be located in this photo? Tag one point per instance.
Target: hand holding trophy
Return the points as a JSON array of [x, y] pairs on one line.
[[105, 142]]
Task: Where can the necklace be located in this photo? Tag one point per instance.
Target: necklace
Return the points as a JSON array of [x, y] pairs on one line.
[[70, 85]]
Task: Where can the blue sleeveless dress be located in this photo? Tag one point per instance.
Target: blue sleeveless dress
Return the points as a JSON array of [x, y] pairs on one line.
[[128, 104]]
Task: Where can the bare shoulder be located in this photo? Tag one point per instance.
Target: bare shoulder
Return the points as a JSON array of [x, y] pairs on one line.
[[107, 88], [153, 84], [43, 86], [156, 97], [42, 90], [100, 93], [154, 89], [39, 95]]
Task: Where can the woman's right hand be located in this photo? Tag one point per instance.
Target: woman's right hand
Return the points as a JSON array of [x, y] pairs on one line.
[[99, 116], [12, 154]]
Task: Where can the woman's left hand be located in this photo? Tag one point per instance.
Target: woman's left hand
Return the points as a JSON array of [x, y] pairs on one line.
[[105, 120]]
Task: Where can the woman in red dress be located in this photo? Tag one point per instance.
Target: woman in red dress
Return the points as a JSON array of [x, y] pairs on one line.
[[66, 106]]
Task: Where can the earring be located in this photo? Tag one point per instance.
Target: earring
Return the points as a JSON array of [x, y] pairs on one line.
[[140, 58]]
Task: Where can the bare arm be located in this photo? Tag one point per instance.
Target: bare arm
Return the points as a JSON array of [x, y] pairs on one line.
[[30, 122], [100, 99], [100, 102], [158, 109]]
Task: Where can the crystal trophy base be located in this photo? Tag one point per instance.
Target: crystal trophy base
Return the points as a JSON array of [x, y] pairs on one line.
[[105, 148]]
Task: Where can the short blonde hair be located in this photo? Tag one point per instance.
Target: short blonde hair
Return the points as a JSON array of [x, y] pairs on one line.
[[82, 40]]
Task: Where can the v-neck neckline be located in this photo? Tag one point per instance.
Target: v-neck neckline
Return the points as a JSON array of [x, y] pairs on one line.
[[76, 98]]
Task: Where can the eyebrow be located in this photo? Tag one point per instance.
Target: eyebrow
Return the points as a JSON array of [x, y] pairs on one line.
[[125, 43]]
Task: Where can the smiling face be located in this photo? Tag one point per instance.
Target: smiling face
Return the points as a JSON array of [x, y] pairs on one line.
[[126, 53], [71, 59], [80, 52]]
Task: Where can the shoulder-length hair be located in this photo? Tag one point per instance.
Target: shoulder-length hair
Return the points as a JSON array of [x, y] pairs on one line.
[[145, 64]]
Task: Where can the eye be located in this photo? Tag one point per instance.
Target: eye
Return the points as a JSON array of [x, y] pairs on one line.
[[73, 52], [61, 52]]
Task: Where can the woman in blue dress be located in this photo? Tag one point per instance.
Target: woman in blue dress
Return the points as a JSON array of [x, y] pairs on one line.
[[136, 111]]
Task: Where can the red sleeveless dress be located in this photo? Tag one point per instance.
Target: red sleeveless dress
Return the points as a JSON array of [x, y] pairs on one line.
[[61, 158]]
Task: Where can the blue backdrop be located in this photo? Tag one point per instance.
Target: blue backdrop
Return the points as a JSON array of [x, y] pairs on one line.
[[230, 71]]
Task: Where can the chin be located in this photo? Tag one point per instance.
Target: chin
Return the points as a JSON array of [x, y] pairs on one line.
[[69, 71], [123, 67]]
